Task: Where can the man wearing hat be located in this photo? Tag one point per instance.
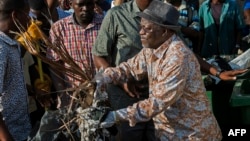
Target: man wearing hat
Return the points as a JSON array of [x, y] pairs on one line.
[[177, 101]]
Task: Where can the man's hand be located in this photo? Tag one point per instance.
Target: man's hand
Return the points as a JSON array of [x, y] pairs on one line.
[[5, 135], [135, 88], [44, 98], [130, 89], [42, 90], [101, 81], [100, 84], [231, 75], [98, 9], [4, 132]]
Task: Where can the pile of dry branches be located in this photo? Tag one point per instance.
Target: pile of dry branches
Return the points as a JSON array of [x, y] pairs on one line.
[[81, 121]]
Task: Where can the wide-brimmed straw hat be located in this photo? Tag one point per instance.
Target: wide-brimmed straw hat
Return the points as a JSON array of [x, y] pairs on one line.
[[163, 14]]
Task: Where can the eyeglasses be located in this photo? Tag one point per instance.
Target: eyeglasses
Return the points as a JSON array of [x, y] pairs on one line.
[[146, 29], [150, 29]]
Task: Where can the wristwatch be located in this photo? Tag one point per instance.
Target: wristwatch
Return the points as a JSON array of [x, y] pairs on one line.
[[218, 73]]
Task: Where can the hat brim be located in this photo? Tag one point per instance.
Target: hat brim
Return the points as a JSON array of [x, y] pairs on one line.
[[148, 17]]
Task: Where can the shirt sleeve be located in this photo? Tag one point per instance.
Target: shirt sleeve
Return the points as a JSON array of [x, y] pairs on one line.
[[3, 65], [135, 67], [106, 36], [165, 91]]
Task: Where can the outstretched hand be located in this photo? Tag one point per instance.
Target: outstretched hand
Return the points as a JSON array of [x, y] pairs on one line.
[[232, 74], [44, 98], [130, 89]]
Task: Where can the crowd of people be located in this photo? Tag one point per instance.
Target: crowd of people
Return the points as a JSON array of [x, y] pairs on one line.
[[153, 54]]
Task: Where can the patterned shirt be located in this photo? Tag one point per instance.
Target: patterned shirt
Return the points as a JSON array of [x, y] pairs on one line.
[[177, 101], [77, 40], [13, 94]]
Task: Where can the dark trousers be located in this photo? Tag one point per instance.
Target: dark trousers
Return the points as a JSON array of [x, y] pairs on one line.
[[226, 115], [143, 131]]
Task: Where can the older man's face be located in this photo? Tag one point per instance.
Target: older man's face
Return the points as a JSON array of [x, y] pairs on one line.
[[151, 34]]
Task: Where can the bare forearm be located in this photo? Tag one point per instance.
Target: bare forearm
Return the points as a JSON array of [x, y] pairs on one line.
[[100, 62], [205, 66], [4, 133], [225, 75]]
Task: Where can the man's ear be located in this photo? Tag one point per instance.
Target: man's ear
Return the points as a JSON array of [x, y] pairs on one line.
[[168, 33], [165, 32]]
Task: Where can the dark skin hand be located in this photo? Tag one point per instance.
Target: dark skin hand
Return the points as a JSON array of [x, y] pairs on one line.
[[44, 98], [225, 76], [98, 9], [4, 133], [129, 87], [231, 75]]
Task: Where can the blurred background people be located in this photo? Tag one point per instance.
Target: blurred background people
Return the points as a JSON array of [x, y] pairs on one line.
[[47, 12], [221, 24], [78, 33], [189, 22], [66, 5]]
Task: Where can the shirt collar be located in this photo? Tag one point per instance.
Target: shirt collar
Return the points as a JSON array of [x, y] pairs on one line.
[[160, 51], [7, 39]]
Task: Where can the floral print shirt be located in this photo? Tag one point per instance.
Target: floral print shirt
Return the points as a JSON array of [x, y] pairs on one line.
[[177, 101], [13, 93]]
